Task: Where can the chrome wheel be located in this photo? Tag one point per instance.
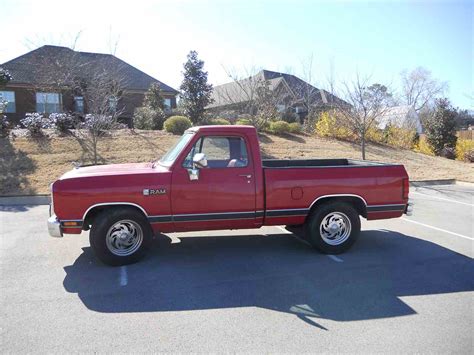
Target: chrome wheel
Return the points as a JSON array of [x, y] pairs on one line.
[[335, 228], [124, 238]]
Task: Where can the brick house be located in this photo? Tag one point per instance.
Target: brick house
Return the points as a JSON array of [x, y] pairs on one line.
[[290, 94], [40, 83]]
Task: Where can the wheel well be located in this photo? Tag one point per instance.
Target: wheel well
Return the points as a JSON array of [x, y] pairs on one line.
[[95, 211], [357, 202]]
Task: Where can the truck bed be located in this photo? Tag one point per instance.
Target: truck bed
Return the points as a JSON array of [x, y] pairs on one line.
[[292, 186]]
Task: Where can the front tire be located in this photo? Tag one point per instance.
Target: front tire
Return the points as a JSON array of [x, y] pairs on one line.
[[333, 227], [120, 236]]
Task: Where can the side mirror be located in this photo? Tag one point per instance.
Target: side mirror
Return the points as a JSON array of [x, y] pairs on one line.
[[200, 160]]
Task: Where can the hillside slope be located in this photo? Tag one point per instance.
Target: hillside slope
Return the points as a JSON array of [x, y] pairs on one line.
[[28, 166]]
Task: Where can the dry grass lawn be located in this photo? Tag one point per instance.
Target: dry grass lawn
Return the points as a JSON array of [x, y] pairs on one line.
[[28, 166]]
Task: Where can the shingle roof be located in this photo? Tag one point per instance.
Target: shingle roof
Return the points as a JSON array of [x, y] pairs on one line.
[[232, 93], [33, 67]]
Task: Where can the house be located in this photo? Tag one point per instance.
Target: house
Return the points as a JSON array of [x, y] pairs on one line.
[[45, 80], [401, 116], [288, 94]]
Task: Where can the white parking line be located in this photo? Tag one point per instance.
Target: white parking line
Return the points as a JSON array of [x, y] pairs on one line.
[[284, 230], [123, 276], [442, 198], [438, 229], [335, 258]]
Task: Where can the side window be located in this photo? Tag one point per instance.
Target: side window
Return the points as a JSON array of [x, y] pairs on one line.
[[216, 148], [221, 152]]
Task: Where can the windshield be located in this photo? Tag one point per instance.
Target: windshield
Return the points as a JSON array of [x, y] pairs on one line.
[[170, 157]]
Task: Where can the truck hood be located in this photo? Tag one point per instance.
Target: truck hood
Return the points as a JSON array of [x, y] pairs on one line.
[[113, 169]]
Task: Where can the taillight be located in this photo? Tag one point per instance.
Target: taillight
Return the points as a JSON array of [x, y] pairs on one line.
[[405, 188]]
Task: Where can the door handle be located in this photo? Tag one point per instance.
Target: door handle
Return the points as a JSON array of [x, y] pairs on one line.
[[248, 176]]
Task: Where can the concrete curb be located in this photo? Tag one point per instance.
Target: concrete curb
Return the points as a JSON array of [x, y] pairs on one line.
[[422, 183], [25, 200], [433, 182]]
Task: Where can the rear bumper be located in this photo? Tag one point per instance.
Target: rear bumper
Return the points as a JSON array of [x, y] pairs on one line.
[[409, 208], [54, 227]]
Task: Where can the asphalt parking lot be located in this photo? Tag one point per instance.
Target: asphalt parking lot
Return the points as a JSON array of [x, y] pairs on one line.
[[406, 286]]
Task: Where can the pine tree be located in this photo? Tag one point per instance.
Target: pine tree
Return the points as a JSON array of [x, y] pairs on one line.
[[153, 97], [441, 127], [195, 90]]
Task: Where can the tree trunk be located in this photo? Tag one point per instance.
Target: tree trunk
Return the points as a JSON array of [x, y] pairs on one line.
[[362, 145]]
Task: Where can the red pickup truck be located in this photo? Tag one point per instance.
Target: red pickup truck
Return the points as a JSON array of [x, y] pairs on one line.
[[215, 178]]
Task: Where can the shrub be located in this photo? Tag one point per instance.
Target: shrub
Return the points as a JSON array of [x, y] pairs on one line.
[[177, 124], [148, 118], [34, 123], [62, 122], [400, 137], [289, 116], [465, 150], [328, 126], [375, 135], [243, 122], [295, 128], [217, 121], [279, 127], [423, 147], [449, 153]]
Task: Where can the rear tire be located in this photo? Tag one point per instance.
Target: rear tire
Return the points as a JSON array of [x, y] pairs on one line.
[[333, 227], [120, 236]]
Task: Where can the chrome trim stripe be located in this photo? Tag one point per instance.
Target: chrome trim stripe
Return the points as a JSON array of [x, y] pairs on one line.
[[242, 215], [287, 212], [213, 216], [160, 219], [386, 208]]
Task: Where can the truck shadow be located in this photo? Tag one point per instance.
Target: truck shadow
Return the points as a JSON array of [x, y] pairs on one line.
[[274, 272]]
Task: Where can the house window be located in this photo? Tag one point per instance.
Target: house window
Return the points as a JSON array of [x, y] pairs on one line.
[[79, 104], [167, 104], [48, 102], [113, 100], [8, 97]]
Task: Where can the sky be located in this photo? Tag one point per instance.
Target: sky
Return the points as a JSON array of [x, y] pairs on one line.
[[379, 39]]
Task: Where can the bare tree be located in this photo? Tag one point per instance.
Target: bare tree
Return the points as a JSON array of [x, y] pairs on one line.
[[364, 104], [420, 89], [102, 89]]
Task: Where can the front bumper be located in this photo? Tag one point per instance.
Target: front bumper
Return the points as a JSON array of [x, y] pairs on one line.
[[54, 227], [409, 208]]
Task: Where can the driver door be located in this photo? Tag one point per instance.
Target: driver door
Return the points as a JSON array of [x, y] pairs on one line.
[[223, 195]]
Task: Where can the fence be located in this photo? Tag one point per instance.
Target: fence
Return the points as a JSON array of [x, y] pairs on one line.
[[465, 134]]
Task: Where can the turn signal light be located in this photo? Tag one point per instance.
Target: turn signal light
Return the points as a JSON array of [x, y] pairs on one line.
[[70, 224]]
